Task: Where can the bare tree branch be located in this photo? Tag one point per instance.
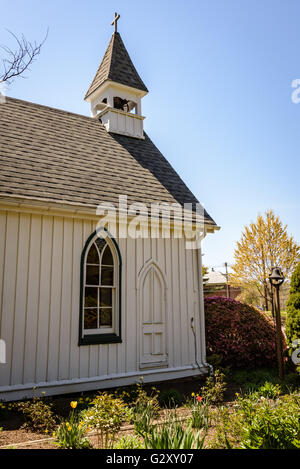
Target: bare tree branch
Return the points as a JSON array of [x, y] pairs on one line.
[[19, 60]]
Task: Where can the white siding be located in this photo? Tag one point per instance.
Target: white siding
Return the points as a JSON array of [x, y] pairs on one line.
[[39, 299]]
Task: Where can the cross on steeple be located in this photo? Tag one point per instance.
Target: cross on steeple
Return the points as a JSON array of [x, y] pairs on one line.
[[115, 21]]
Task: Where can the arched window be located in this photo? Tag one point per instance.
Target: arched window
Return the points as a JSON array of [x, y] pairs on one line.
[[100, 305]]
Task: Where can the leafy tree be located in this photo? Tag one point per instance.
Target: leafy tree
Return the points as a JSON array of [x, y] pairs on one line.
[[204, 273], [263, 245], [249, 294], [292, 327]]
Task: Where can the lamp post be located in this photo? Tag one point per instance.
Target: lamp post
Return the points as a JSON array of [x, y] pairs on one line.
[[276, 279]]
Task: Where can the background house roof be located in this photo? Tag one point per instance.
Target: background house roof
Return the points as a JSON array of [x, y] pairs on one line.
[[50, 154], [117, 66], [214, 278]]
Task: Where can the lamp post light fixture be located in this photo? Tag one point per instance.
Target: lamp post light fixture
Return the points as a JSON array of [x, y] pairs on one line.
[[276, 279]]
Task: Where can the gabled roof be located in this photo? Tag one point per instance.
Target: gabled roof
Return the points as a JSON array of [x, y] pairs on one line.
[[51, 155], [215, 278], [117, 66]]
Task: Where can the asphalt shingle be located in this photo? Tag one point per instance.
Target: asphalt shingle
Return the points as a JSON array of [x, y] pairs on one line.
[[117, 66], [54, 155]]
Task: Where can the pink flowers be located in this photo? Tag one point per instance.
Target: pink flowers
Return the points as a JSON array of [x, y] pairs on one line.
[[239, 333]]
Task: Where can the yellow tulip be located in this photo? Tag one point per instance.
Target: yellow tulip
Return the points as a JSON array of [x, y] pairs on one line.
[[73, 404]]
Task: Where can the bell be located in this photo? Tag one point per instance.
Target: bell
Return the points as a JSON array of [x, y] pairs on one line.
[[276, 277], [100, 106], [131, 105]]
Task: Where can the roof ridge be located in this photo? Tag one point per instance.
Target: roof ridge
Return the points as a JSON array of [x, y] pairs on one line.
[[10, 98]]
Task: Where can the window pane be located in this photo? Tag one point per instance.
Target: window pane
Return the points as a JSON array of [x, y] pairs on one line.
[[106, 317], [90, 319], [105, 297], [90, 298], [107, 258], [92, 275], [101, 243], [93, 257], [107, 276]]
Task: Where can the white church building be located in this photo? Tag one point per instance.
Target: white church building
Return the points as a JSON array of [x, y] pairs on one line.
[[86, 304]]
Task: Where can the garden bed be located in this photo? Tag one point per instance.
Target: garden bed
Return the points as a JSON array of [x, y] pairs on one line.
[[178, 401]]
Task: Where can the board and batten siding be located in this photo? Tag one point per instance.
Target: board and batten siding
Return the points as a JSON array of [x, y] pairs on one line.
[[39, 300]]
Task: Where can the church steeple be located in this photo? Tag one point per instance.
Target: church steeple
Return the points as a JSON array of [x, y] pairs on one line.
[[117, 89]]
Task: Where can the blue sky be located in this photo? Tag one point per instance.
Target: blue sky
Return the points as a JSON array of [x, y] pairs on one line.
[[219, 107]]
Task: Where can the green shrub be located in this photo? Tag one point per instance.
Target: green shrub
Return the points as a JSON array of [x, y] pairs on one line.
[[129, 442], [292, 380], [214, 388], [258, 423], [252, 379], [142, 418], [143, 399], [215, 360], [105, 415], [170, 398], [144, 409], [71, 434], [38, 415], [292, 326], [273, 427], [135, 392], [269, 390]]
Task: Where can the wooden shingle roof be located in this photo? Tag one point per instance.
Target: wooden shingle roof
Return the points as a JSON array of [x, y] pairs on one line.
[[117, 66], [52, 155]]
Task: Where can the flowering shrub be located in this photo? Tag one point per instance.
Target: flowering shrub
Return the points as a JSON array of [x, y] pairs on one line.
[[105, 415], [38, 415], [214, 388], [242, 335]]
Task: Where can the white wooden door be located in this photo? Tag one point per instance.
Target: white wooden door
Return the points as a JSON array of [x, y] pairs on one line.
[[153, 317]]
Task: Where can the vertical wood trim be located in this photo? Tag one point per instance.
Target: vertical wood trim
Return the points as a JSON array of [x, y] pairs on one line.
[[121, 348], [44, 299], [3, 228], [85, 351], [21, 301], [66, 295], [183, 288], [190, 302], [131, 327], [33, 300], [9, 289], [176, 301], [55, 300], [74, 349]]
